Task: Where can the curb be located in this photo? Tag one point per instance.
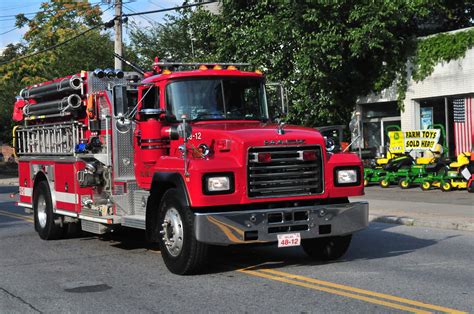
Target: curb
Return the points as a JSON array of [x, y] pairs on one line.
[[423, 222]]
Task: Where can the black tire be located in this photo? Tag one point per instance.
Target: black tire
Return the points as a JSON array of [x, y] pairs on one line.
[[46, 222], [384, 183], [191, 255], [425, 185], [470, 188], [446, 186], [326, 249], [404, 184]]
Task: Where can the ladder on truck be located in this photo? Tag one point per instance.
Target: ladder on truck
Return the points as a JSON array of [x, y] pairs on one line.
[[49, 139]]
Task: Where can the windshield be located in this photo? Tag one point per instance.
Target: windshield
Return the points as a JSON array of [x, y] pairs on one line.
[[218, 99]]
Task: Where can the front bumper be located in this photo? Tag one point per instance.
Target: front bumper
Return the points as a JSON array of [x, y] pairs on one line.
[[254, 226]]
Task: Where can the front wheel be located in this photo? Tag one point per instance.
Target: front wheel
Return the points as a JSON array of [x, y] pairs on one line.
[[326, 249], [446, 186], [47, 224], [425, 186], [181, 252], [404, 184]]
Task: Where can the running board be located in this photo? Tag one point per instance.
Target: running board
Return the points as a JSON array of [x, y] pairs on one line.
[[108, 220], [134, 221]]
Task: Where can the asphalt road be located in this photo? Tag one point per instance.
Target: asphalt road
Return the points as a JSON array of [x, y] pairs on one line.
[[388, 269]]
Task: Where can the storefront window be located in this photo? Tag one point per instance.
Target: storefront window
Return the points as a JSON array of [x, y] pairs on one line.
[[372, 134], [380, 110], [375, 119]]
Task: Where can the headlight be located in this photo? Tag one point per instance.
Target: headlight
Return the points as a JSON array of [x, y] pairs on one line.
[[215, 184], [218, 183], [346, 176]]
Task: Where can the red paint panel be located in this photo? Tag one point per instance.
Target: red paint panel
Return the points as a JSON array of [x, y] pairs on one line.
[[65, 182], [24, 179]]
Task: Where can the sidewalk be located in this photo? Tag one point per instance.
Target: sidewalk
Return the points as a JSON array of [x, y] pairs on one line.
[[8, 180], [413, 207]]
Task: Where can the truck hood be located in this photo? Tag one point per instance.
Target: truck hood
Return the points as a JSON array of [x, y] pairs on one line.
[[257, 133]]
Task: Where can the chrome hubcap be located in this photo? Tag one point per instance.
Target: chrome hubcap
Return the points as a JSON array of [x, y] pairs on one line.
[[41, 211], [173, 232]]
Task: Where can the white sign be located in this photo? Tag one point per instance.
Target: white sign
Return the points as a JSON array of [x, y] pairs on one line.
[[421, 140]]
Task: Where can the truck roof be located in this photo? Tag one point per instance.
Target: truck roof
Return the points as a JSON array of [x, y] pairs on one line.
[[166, 75]]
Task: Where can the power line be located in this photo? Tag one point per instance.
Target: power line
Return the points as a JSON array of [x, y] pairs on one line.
[[9, 31], [104, 24], [170, 9], [133, 11], [152, 2], [52, 47], [33, 13]]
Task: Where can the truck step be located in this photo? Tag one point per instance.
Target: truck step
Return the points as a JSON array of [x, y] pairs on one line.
[[94, 227], [134, 221]]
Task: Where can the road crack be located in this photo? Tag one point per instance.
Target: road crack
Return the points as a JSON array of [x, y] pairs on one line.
[[20, 299]]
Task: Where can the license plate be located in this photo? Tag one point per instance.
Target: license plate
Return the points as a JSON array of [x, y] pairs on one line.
[[289, 239]]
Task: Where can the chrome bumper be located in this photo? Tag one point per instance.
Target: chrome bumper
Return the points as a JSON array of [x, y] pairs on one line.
[[255, 226]]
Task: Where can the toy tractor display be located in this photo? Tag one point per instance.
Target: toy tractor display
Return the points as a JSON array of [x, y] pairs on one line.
[[426, 170], [459, 174], [377, 171]]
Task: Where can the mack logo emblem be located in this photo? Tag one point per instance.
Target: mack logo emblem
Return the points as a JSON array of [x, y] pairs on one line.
[[283, 142]]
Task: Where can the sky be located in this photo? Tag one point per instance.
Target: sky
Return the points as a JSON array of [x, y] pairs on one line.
[[10, 8]]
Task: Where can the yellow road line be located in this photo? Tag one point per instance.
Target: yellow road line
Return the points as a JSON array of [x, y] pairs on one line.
[[334, 291], [320, 285], [361, 291], [15, 215]]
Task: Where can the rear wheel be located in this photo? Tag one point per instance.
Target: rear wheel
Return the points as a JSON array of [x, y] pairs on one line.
[[404, 183], [47, 224], [425, 186], [384, 183], [326, 249], [446, 186], [181, 252]]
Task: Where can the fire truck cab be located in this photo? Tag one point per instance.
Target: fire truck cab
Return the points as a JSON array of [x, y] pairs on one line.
[[191, 156]]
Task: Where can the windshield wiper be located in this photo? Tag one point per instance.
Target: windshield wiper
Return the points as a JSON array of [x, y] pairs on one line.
[[212, 116]]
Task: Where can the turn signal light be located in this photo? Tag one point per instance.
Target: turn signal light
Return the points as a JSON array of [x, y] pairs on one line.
[[223, 145], [217, 67], [264, 157], [309, 155], [231, 67], [202, 67], [166, 71]]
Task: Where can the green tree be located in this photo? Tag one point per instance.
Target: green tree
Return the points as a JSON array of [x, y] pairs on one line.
[[327, 52], [185, 37]]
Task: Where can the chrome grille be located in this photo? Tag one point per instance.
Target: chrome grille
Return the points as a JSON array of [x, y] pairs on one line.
[[284, 171]]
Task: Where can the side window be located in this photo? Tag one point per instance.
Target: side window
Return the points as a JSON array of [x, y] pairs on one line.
[[151, 99]]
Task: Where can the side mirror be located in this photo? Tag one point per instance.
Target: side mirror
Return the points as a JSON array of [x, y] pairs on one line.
[[277, 100]]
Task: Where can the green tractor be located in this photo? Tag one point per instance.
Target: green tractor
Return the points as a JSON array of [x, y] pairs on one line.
[[382, 167]]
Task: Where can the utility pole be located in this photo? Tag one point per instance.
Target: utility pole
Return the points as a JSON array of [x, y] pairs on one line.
[[118, 45]]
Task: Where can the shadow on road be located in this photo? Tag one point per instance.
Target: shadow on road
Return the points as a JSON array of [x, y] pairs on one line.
[[7, 189], [376, 242]]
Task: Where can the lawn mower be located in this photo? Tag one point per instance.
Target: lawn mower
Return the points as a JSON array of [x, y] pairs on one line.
[[459, 174], [376, 171]]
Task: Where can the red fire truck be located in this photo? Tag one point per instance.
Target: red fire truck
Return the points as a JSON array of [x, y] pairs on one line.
[[186, 152]]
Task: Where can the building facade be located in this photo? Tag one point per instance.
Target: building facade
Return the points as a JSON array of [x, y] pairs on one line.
[[444, 98]]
